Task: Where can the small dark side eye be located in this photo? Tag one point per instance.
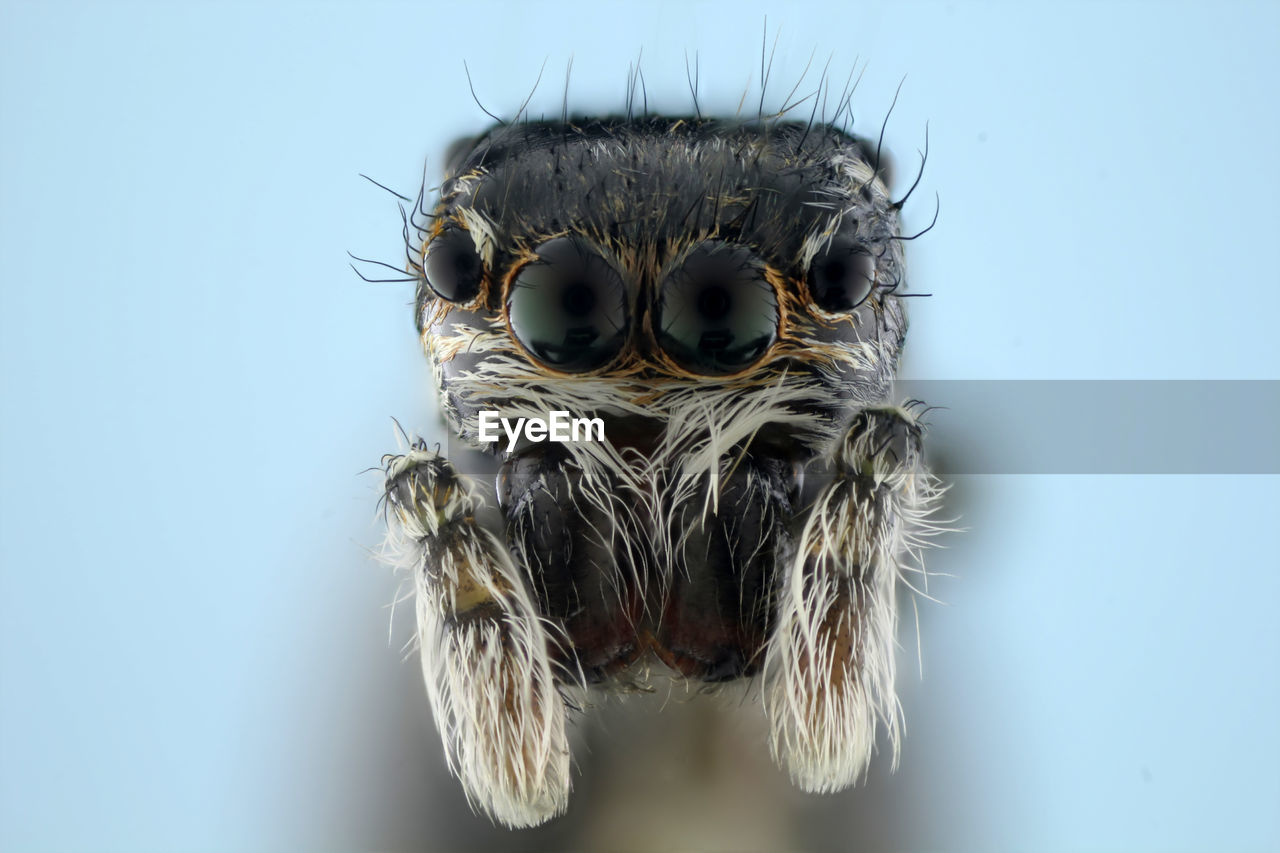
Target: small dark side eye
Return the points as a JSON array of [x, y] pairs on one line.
[[569, 307], [452, 266], [842, 276], [716, 312]]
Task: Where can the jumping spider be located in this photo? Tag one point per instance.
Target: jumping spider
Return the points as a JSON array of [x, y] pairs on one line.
[[725, 295]]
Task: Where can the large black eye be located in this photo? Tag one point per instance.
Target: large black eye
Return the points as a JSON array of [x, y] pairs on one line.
[[569, 307], [841, 276], [717, 314], [452, 266]]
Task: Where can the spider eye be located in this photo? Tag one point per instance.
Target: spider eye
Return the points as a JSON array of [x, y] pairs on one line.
[[452, 266], [569, 307], [842, 276], [717, 314]]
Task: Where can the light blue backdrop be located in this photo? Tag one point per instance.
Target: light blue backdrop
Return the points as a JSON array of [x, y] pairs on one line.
[[194, 642]]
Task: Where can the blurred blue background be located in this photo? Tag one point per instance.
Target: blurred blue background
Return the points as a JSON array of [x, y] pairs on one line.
[[196, 650]]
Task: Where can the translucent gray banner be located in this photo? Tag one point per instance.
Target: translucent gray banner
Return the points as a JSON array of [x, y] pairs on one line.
[[1077, 427], [1103, 427]]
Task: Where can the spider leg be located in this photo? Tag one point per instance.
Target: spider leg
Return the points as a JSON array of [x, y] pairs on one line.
[[829, 669], [484, 648]]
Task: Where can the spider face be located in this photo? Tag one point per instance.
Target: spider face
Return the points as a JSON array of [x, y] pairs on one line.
[[669, 247], [722, 296]]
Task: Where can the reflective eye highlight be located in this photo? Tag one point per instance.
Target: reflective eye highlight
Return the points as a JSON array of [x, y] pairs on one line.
[[842, 276], [717, 314], [569, 307], [452, 266]]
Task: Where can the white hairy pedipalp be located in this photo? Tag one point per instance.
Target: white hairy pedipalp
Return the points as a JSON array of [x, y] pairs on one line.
[[484, 648], [830, 669]]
